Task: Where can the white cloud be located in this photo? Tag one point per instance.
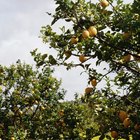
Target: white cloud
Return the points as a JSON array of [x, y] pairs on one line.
[[20, 24]]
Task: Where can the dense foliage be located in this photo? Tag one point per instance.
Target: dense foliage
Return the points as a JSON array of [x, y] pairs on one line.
[[28, 98], [104, 39], [32, 107]]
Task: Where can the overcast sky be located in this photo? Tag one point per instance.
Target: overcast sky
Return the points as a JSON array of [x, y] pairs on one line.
[[20, 24]]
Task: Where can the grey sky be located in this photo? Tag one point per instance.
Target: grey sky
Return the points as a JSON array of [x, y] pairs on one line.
[[20, 23]]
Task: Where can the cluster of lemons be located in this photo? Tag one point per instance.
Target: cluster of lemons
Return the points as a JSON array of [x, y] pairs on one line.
[[86, 33], [88, 90], [92, 32], [123, 116]]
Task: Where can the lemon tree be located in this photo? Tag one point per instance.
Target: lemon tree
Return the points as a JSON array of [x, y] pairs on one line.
[[29, 100], [32, 106], [104, 36]]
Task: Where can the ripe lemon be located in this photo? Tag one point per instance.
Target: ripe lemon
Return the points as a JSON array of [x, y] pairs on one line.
[[82, 58], [114, 134], [93, 82], [74, 40], [104, 3], [85, 34], [127, 58], [92, 31], [122, 115], [127, 122], [137, 126], [88, 90], [67, 54]]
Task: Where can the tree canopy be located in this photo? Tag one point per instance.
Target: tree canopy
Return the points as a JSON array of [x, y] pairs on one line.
[[103, 38], [28, 97]]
